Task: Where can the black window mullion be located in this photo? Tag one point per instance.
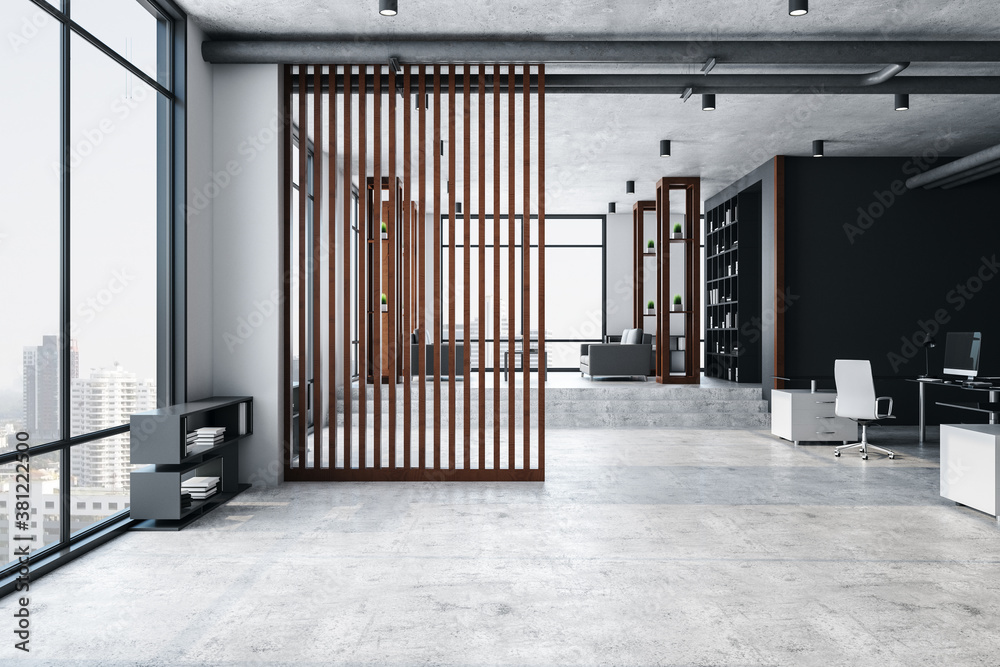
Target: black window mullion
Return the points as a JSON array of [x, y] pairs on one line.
[[65, 315]]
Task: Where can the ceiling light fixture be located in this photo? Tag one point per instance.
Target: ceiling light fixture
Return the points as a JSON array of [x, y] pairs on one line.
[[387, 7], [902, 101], [611, 207], [818, 148], [708, 102], [664, 147], [798, 7], [630, 187], [395, 66], [708, 66], [686, 94], [458, 207]]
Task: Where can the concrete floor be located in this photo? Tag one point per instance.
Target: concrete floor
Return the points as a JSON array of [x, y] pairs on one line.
[[678, 547]]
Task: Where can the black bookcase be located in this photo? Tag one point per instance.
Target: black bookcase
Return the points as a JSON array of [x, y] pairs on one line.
[[732, 288], [158, 438]]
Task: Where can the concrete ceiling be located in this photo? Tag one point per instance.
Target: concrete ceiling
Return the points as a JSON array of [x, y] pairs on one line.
[[597, 142]]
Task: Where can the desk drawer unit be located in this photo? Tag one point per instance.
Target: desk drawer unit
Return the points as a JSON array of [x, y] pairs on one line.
[[800, 415], [969, 465]]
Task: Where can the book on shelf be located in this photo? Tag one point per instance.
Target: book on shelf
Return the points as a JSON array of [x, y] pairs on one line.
[[199, 483]]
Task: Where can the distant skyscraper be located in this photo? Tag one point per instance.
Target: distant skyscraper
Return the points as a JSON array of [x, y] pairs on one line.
[[104, 400], [40, 395]]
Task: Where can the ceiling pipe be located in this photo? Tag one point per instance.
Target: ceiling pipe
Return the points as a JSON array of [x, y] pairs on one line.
[[746, 84], [969, 179], [972, 167], [596, 51]]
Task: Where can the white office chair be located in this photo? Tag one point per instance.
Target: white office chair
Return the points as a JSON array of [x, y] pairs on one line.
[[856, 400]]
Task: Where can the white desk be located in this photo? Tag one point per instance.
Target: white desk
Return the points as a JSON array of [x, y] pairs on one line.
[[802, 415], [969, 472]]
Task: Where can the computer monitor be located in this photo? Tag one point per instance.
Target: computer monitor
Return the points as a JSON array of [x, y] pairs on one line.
[[961, 354]]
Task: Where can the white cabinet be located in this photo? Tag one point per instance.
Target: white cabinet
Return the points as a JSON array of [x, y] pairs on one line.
[[969, 465], [803, 415]]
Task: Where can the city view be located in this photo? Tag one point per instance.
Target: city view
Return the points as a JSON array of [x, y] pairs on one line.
[[99, 470]]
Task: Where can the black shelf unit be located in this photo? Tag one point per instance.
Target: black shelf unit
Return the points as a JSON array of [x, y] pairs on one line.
[[158, 438], [732, 288]]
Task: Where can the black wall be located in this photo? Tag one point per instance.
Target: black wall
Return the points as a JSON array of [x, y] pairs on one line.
[[870, 264]]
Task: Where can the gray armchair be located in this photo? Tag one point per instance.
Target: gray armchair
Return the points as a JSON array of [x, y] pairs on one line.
[[631, 357]]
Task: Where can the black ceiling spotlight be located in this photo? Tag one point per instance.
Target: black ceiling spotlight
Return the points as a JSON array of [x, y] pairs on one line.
[[387, 7], [611, 207], [818, 148], [442, 147], [798, 7], [664, 147], [902, 101], [629, 187], [458, 207], [708, 102]]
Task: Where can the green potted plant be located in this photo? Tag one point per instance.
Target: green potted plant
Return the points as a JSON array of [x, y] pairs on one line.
[[385, 232], [650, 246], [385, 303], [677, 231], [678, 304], [650, 307]]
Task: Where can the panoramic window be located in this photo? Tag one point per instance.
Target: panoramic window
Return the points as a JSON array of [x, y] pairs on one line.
[[87, 218]]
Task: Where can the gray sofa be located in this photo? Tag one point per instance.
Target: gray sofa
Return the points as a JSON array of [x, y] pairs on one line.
[[429, 357], [632, 356]]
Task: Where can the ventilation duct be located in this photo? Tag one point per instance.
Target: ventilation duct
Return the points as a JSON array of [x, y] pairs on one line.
[[964, 170]]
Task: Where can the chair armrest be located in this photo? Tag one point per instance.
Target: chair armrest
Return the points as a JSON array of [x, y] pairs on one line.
[[889, 411], [585, 348]]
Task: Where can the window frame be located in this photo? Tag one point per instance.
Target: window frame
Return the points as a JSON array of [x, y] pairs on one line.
[[170, 88]]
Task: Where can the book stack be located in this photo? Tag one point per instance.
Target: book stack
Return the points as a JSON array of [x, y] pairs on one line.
[[204, 438], [199, 488]]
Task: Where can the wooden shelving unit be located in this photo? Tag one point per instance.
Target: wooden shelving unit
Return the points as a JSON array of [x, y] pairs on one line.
[[158, 438], [643, 261], [679, 361], [732, 288]]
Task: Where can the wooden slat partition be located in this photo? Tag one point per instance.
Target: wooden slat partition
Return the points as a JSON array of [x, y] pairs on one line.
[[333, 444]]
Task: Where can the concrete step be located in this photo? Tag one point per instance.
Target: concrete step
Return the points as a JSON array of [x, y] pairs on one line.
[[567, 420]]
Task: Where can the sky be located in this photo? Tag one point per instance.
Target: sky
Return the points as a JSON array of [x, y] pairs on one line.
[[113, 180]]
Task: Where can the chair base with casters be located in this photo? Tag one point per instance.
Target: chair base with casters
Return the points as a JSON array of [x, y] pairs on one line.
[[864, 445]]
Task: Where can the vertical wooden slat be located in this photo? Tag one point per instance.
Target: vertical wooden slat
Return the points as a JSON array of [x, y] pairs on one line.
[[466, 269], [453, 184], [436, 251], [543, 351], [526, 264], [365, 318], [376, 216], [348, 133], [390, 259], [496, 267], [511, 280], [303, 356], [317, 254], [421, 271], [407, 268], [286, 261], [331, 260], [481, 144]]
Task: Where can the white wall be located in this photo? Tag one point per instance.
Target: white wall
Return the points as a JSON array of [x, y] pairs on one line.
[[619, 272], [245, 191], [199, 218]]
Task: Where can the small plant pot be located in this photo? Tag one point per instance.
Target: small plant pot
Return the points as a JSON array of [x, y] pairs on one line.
[[677, 307], [676, 235], [650, 311], [385, 236], [385, 308]]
